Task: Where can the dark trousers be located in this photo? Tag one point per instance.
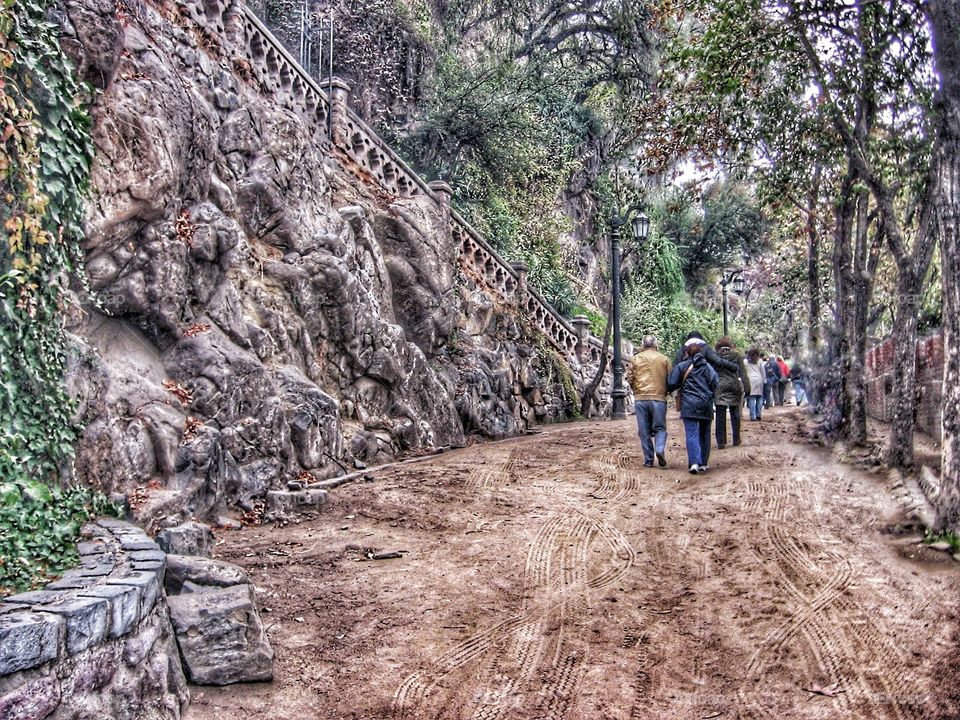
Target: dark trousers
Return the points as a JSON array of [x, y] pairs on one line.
[[768, 394], [780, 389], [697, 434], [721, 431]]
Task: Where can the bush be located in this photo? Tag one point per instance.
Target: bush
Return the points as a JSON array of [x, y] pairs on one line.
[[39, 528]]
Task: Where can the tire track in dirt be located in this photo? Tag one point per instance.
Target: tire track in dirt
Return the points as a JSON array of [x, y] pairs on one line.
[[865, 666], [496, 474], [521, 652]]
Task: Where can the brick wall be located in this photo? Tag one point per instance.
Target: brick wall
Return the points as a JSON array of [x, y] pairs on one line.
[[879, 372]]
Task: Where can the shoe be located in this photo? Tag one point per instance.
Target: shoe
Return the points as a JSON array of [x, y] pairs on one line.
[[661, 459], [704, 468], [648, 464], [736, 443], [694, 469], [721, 447]]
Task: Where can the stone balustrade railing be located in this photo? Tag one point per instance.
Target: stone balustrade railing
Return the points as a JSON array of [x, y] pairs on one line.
[[265, 60], [361, 151]]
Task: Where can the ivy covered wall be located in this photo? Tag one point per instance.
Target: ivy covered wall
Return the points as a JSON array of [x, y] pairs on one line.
[[44, 165]]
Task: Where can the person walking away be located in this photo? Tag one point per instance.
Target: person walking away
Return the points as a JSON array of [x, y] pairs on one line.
[[799, 384], [647, 376], [715, 360], [784, 379], [696, 381], [773, 377], [729, 395], [756, 372]]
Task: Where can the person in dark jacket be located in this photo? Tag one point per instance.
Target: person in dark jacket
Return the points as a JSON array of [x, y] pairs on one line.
[[697, 382], [730, 392], [773, 380], [709, 353], [799, 384]]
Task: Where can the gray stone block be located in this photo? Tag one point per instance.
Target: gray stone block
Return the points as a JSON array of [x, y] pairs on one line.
[[35, 597], [221, 638], [72, 580], [130, 543], [158, 555], [190, 538], [156, 567], [115, 525], [281, 503], [147, 582], [137, 647], [87, 621], [27, 639], [202, 571], [90, 561], [34, 700], [93, 547], [124, 606], [95, 571]]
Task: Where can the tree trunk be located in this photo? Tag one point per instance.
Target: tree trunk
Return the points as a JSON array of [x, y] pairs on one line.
[[900, 448], [843, 292], [587, 400], [944, 21], [861, 285], [813, 264]]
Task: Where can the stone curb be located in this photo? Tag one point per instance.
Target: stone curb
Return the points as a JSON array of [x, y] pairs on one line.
[[114, 589]]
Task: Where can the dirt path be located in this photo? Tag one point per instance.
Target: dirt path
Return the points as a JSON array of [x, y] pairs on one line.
[[554, 577]]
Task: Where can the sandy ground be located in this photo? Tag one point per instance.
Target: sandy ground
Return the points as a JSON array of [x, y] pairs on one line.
[[553, 577]]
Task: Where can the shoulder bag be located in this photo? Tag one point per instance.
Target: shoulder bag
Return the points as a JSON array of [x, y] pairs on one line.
[[676, 397]]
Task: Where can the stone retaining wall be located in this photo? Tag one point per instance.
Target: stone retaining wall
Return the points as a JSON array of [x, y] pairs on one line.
[[879, 372], [362, 152], [96, 643]]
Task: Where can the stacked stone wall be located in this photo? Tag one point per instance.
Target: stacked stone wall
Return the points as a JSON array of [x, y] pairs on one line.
[[880, 382], [98, 642]]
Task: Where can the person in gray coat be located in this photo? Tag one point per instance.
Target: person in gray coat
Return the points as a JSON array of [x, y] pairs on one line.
[[697, 382], [730, 392]]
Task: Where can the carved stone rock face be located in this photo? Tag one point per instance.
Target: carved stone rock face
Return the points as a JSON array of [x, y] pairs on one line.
[[267, 308]]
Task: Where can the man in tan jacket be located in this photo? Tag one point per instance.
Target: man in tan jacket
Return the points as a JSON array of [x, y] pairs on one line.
[[647, 375]]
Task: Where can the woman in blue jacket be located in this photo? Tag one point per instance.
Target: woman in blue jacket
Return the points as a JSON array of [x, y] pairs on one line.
[[697, 381]]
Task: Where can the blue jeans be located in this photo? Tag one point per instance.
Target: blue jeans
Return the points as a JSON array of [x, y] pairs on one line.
[[698, 441], [755, 406], [799, 392], [651, 422]]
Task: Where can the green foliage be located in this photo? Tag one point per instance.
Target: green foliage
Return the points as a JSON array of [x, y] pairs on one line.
[[669, 319], [932, 537], [506, 138], [719, 230], [557, 371], [40, 530], [44, 167]]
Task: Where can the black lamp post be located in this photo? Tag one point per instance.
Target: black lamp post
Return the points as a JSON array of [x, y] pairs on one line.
[[736, 278], [639, 227]]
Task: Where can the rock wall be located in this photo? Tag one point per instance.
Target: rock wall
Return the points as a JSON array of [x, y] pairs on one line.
[[97, 643], [270, 307], [879, 371]]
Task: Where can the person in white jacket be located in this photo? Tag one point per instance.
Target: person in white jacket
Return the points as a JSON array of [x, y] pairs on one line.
[[756, 372]]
